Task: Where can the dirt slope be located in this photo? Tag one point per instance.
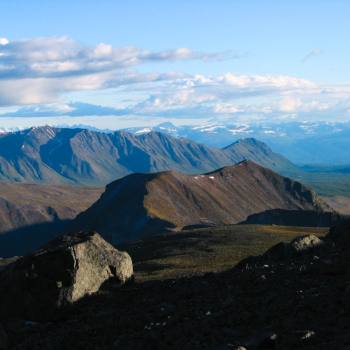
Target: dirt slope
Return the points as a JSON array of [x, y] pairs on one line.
[[143, 204], [27, 204]]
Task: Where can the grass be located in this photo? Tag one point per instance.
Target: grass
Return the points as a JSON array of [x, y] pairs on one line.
[[200, 251]]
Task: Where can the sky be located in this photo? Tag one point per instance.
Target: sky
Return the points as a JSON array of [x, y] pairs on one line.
[[115, 64]]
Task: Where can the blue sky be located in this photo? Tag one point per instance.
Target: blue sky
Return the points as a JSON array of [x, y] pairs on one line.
[[178, 60]]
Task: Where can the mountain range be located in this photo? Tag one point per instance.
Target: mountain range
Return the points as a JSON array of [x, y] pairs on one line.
[[140, 205], [302, 142], [85, 157]]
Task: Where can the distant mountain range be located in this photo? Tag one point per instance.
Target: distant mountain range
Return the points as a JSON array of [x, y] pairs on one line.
[[140, 205], [301, 142], [85, 157]]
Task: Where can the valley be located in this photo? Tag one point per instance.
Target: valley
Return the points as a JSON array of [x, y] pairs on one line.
[[196, 228], [174, 175], [207, 255], [55, 177], [195, 252]]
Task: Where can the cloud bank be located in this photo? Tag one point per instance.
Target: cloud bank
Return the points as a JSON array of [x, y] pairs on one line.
[[39, 70], [38, 75]]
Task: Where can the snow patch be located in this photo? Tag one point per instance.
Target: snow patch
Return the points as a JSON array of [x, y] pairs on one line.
[[143, 131]]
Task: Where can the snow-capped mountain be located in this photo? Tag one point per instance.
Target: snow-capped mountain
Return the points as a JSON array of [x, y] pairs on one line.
[[301, 142]]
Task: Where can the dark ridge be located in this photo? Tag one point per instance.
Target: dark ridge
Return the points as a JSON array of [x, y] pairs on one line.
[[305, 218]]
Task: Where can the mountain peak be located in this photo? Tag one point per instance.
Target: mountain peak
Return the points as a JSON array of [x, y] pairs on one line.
[[166, 125], [247, 141], [145, 204], [42, 129]]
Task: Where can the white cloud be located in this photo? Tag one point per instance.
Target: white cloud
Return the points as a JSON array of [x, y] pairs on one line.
[[43, 71], [224, 94], [56, 65], [226, 108], [4, 41], [290, 104], [62, 57], [272, 81]]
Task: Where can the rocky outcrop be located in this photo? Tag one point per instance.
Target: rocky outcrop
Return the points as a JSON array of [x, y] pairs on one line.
[[66, 270], [305, 243], [299, 245], [301, 302]]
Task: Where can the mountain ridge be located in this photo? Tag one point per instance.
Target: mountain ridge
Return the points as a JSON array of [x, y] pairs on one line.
[[139, 205], [302, 142], [85, 157]]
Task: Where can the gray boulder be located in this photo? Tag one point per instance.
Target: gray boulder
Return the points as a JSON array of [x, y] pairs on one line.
[[305, 243], [299, 245], [66, 270]]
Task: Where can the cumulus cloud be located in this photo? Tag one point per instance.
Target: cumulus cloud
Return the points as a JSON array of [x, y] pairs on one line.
[[63, 57], [4, 41], [39, 70], [39, 73], [183, 95], [73, 109], [220, 94]]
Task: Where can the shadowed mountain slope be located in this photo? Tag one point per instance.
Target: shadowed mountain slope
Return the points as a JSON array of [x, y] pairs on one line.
[[80, 156], [23, 205], [144, 204], [259, 153]]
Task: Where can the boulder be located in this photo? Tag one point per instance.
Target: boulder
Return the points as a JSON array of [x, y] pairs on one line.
[[66, 270], [305, 243], [299, 245]]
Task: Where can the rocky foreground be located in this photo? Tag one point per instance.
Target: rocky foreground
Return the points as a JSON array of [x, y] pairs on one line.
[[295, 296]]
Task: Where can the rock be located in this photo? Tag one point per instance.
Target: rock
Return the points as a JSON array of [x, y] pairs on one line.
[[297, 339], [66, 270], [307, 335], [304, 243], [299, 245]]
